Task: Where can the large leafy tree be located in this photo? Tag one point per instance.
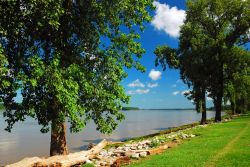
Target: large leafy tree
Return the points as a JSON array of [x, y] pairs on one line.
[[189, 60], [211, 30], [67, 59], [194, 65], [223, 24]]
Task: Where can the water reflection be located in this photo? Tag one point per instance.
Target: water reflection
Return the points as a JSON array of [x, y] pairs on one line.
[[26, 139]]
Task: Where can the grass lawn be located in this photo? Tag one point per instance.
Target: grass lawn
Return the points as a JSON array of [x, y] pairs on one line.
[[222, 145]]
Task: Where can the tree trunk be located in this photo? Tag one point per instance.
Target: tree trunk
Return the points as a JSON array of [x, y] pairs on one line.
[[218, 107], [233, 107], [219, 91], [204, 109], [239, 106], [58, 144]]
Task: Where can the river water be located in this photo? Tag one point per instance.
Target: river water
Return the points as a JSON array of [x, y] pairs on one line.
[[25, 140]]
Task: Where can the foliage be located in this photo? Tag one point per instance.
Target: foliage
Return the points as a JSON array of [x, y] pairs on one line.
[[3, 70], [237, 89], [67, 59], [211, 30], [166, 56]]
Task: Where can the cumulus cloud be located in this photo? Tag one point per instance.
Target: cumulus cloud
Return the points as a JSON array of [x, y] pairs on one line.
[[154, 75], [176, 93], [138, 91], [168, 19], [136, 83], [152, 85]]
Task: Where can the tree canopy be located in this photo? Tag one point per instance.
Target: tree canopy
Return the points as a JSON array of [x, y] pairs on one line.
[[211, 30], [67, 59]]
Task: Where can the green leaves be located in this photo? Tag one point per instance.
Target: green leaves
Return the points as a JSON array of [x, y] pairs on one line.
[[55, 53], [166, 56], [3, 70], [211, 31]]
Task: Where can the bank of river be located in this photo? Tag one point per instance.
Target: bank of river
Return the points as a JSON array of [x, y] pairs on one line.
[[26, 139]]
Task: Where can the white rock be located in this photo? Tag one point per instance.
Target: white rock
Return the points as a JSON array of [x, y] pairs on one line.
[[143, 154], [139, 147], [119, 148], [126, 149], [89, 162], [129, 153], [133, 148], [135, 156], [192, 135], [110, 153]]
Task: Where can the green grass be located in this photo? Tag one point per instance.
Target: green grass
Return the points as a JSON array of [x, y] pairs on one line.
[[221, 145], [87, 165]]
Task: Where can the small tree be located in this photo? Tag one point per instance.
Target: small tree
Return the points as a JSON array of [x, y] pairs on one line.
[[67, 58]]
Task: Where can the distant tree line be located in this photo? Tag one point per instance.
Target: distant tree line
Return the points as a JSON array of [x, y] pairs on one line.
[[130, 108]]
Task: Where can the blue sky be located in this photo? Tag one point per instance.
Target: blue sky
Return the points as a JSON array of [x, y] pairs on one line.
[[156, 88]]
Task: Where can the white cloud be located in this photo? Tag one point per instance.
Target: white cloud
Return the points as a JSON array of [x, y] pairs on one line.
[[178, 81], [138, 91], [185, 91], [209, 99], [152, 85], [176, 93], [136, 83], [174, 85], [169, 19], [154, 75]]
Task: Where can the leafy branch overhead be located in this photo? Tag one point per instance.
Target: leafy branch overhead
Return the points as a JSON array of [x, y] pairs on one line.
[[166, 56], [67, 58]]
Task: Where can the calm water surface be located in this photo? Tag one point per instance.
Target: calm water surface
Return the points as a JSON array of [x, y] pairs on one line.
[[27, 141]]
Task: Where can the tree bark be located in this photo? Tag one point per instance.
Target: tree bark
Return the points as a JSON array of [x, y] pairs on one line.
[[218, 107], [58, 145], [239, 106], [233, 107], [204, 109], [219, 91]]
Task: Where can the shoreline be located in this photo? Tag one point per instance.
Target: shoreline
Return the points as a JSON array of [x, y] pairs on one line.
[[177, 128], [140, 147]]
